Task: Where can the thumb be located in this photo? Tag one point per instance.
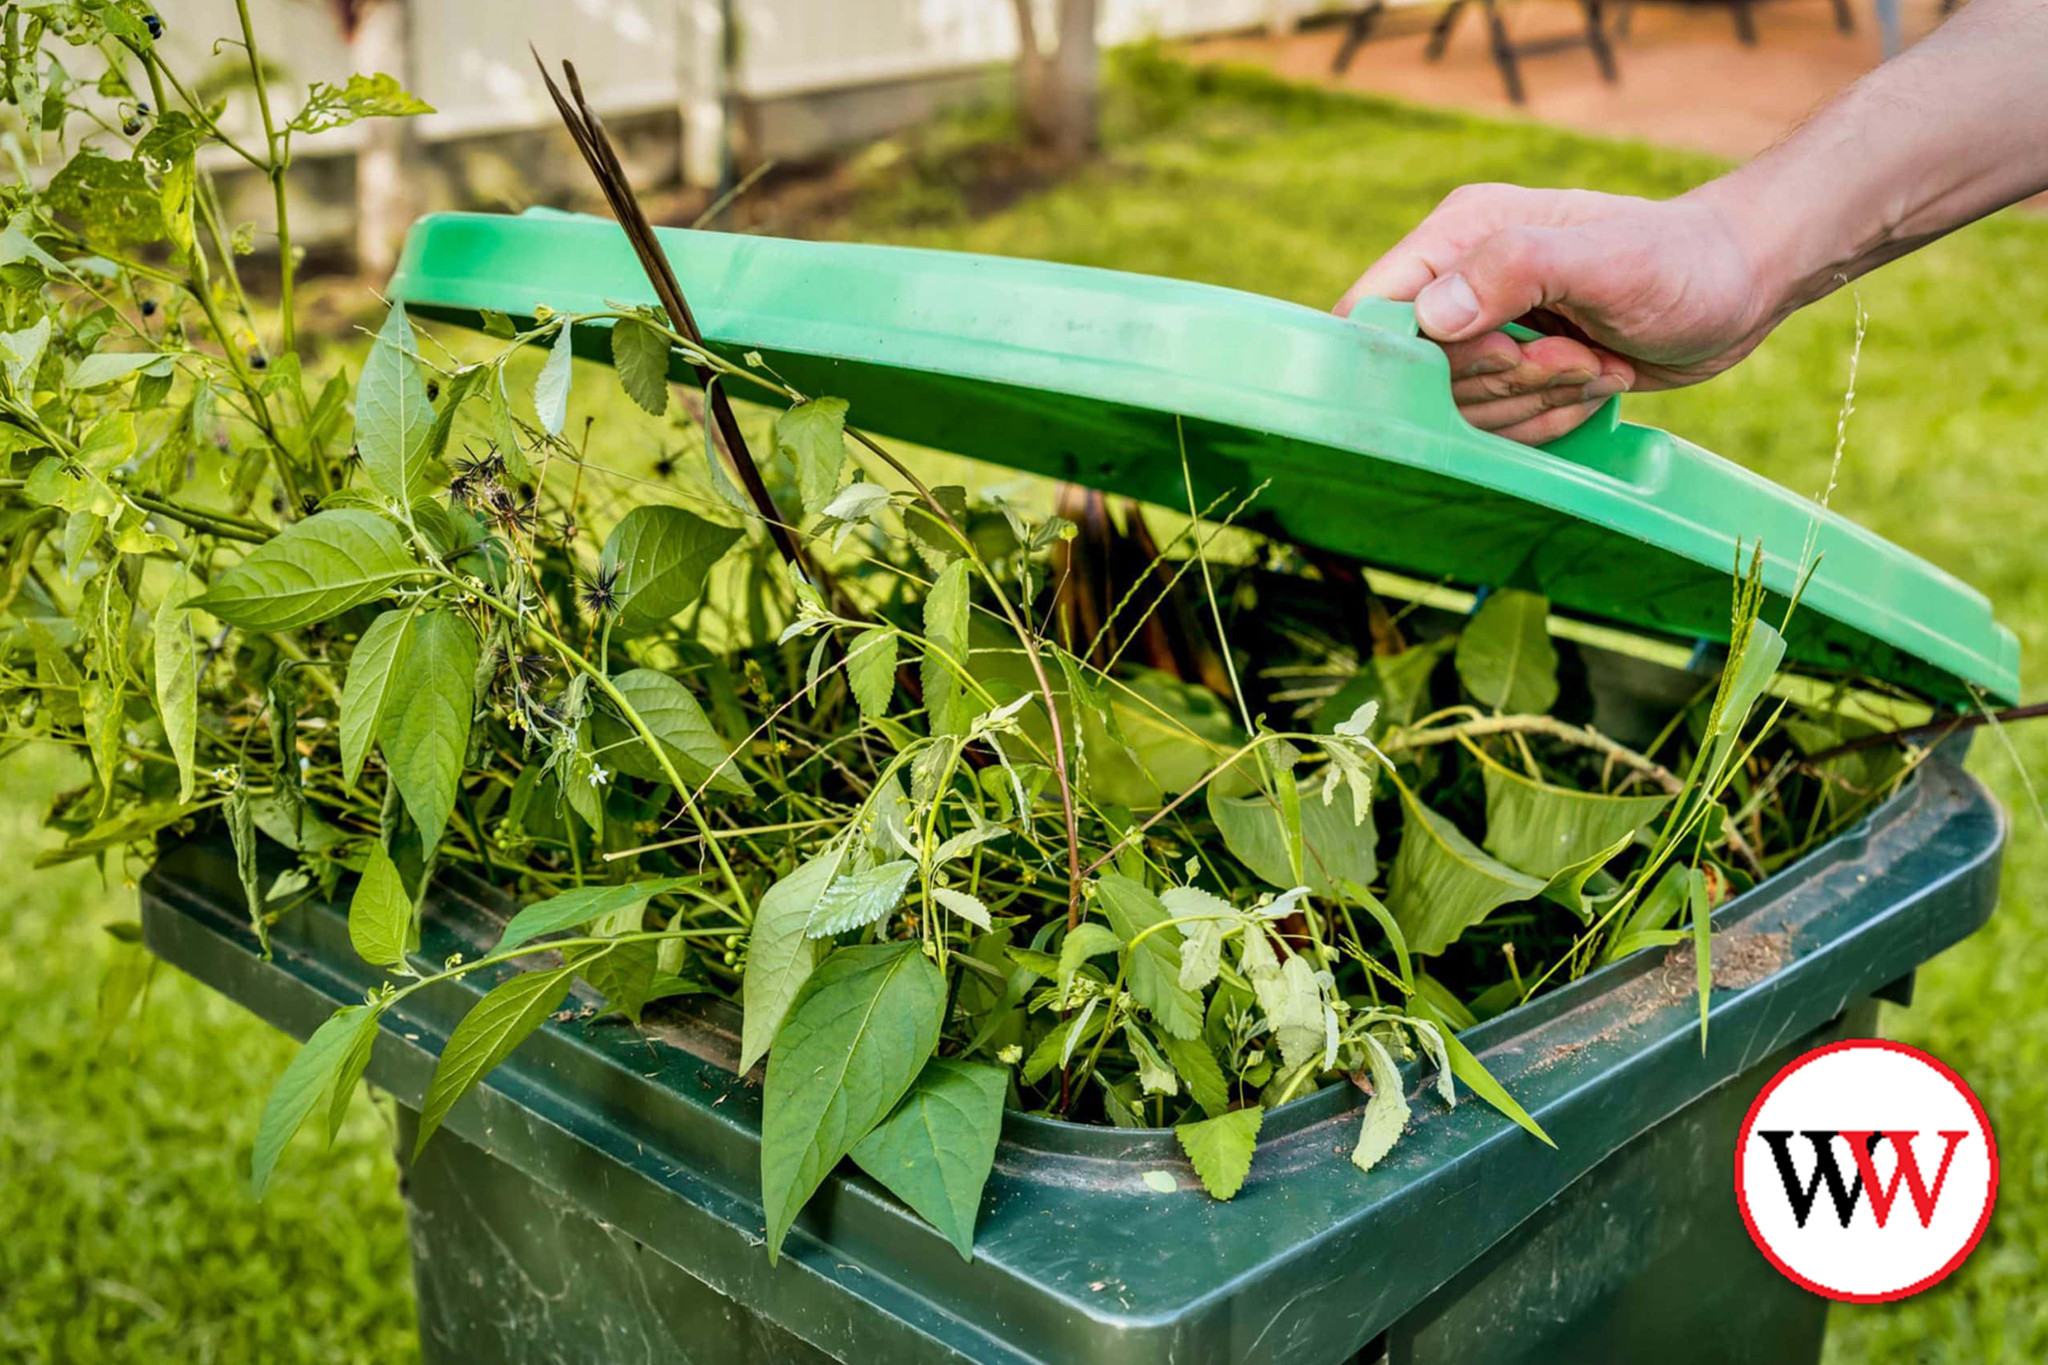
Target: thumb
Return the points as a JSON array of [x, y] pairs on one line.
[[1500, 278]]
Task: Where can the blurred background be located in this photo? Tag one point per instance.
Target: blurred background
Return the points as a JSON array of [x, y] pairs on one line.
[[1271, 145]]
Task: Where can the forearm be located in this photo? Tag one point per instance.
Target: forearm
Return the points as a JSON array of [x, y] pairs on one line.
[[1954, 129]]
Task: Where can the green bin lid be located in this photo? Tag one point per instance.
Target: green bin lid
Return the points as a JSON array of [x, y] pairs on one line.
[[1080, 374]]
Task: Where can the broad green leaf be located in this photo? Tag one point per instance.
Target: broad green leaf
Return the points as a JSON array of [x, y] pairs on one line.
[[1334, 848], [661, 556], [177, 678], [498, 1023], [343, 1087], [871, 670], [1442, 884], [813, 437], [946, 616], [106, 367], [1292, 1001], [858, 899], [1197, 1066], [393, 417], [1058, 1047], [1505, 657], [857, 1037], [426, 738], [781, 953], [623, 974], [1153, 966], [364, 96], [313, 569], [970, 908], [453, 396], [935, 1151], [1177, 731], [380, 912], [305, 1081], [551, 386], [579, 906], [1386, 1113], [1221, 1148], [368, 693], [1542, 829], [1567, 886], [672, 714], [114, 201], [640, 355]]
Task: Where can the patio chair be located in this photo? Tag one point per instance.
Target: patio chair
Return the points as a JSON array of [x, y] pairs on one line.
[[1507, 53]]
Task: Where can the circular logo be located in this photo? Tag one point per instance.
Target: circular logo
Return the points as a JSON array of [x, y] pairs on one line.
[[1866, 1171]]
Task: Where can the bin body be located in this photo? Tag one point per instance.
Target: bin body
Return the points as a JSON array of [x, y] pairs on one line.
[[597, 1196]]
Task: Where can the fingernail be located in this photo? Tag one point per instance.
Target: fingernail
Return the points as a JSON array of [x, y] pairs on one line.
[[1569, 379], [1606, 386], [1492, 364], [1446, 306]]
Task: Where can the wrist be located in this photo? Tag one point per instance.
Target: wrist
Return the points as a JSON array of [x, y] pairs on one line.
[[1787, 258]]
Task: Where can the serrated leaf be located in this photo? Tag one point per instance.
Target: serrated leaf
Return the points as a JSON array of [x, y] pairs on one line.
[[306, 1079], [780, 953], [498, 1023], [813, 437], [858, 899], [177, 678], [640, 355], [1474, 1074], [579, 906], [672, 714], [969, 908], [551, 386], [1087, 940], [871, 670], [1504, 654], [1153, 964], [857, 1037], [1221, 1148], [1386, 1113], [661, 556], [1197, 1066], [393, 415], [311, 570], [426, 740], [368, 693], [380, 912], [935, 1151], [946, 615], [364, 96]]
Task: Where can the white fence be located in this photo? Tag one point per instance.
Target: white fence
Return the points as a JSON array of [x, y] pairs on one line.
[[469, 58]]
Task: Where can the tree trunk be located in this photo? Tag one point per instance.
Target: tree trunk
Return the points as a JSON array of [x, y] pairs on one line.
[[384, 208], [1056, 89]]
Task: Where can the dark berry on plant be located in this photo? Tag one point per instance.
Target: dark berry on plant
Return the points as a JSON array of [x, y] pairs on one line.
[[665, 467], [132, 127], [433, 390], [277, 504], [257, 362], [149, 308], [154, 25]]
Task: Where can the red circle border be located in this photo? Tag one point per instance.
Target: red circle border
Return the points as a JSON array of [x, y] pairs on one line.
[[1749, 1122]]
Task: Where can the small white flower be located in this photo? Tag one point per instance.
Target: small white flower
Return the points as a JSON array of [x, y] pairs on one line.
[[598, 776], [1010, 1055]]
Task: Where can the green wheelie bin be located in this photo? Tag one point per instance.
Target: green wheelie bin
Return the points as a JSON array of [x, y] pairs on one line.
[[597, 1198]]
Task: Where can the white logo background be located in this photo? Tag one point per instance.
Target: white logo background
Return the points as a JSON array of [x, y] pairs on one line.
[[1875, 1085]]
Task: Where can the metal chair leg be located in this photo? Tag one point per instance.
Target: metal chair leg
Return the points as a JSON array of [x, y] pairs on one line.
[[1359, 31], [1596, 38], [1503, 52], [1440, 31]]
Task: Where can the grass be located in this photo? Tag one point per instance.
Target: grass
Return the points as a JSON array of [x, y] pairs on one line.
[[130, 1234]]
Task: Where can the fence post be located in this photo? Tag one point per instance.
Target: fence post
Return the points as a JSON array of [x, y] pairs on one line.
[[701, 46]]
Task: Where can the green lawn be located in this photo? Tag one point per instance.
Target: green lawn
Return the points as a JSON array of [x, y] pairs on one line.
[[129, 1236]]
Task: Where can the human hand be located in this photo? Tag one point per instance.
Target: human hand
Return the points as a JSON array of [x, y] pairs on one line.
[[1651, 295]]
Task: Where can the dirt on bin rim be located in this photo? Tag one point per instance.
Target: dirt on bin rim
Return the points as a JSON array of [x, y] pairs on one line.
[[1738, 959]]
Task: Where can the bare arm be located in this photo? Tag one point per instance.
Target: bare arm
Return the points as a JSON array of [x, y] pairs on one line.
[[1662, 294]]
